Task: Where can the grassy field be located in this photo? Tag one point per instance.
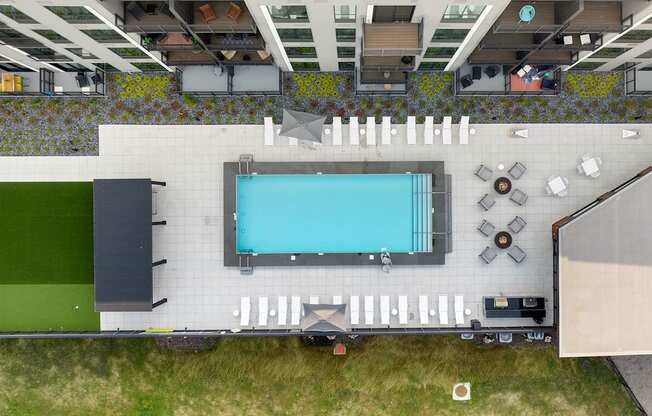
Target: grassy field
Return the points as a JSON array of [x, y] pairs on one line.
[[280, 376], [46, 258]]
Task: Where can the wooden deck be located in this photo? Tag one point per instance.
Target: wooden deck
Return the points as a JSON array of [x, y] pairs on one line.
[[391, 36]]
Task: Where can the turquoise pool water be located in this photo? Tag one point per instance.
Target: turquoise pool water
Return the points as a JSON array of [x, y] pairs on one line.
[[333, 213]]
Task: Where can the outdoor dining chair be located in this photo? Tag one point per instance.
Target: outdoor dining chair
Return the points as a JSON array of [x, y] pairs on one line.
[[484, 173]]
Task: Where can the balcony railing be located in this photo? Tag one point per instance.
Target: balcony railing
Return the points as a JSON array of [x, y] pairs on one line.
[[383, 64], [392, 39]]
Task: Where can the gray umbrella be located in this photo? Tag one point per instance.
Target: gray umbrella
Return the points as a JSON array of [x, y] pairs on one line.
[[302, 126], [324, 318]]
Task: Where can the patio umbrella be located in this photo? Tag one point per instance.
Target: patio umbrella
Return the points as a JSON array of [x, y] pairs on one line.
[[302, 126], [324, 318]]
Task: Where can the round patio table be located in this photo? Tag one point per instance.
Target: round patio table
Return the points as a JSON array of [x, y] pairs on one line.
[[503, 239], [503, 185]]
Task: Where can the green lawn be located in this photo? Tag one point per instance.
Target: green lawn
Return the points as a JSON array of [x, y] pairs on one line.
[[46, 256], [279, 376]]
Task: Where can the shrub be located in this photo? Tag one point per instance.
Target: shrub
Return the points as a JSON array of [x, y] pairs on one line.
[[432, 84], [592, 84], [317, 84], [142, 85]]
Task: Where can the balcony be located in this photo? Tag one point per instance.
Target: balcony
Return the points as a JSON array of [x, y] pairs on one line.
[[392, 39], [598, 17], [544, 21], [544, 56], [200, 57], [386, 63], [201, 17], [235, 41], [530, 41]]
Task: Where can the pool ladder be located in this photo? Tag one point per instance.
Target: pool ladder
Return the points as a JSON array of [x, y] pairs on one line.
[[244, 163]]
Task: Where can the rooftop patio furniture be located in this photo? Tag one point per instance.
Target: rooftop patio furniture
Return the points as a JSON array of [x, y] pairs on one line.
[[82, 80], [337, 131], [466, 81], [411, 130], [484, 173], [233, 12], [491, 71], [269, 131], [354, 133], [428, 130], [486, 202], [488, 254], [476, 72], [386, 130], [423, 309], [354, 310], [263, 306], [557, 185], [447, 130], [368, 310], [402, 310], [295, 310], [517, 170], [459, 310], [282, 316], [371, 131], [464, 130], [245, 310], [631, 134], [207, 13], [520, 133], [549, 84], [516, 253], [135, 9], [518, 197], [516, 225], [590, 166], [585, 39], [486, 228], [384, 310], [443, 309]]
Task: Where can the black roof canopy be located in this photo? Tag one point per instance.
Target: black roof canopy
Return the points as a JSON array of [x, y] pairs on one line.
[[122, 238]]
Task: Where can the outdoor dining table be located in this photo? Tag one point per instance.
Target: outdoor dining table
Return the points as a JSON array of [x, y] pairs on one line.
[[557, 185], [590, 167]]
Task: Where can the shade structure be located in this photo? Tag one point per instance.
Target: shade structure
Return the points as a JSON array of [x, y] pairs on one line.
[[302, 126], [324, 318]]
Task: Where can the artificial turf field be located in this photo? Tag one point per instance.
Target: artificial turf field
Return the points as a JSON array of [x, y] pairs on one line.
[[46, 256]]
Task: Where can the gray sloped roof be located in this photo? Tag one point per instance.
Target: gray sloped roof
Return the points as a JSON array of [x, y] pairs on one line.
[[302, 126], [324, 318]]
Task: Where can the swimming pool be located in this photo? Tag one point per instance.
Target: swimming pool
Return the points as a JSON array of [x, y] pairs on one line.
[[333, 213]]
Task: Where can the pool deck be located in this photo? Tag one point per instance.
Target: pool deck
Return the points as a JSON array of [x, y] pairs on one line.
[[202, 293], [440, 215]]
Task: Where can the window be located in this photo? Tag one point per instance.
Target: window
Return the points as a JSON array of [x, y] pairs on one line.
[[295, 35], [588, 65], [345, 52], [645, 55], [346, 66], [45, 54], [392, 14], [148, 66], [440, 52], [635, 36], [52, 36], [104, 35], [288, 13], [75, 14], [128, 52], [449, 35], [106, 67], [17, 39], [609, 52], [345, 13], [71, 67], [305, 66], [432, 66], [82, 53], [15, 14], [301, 52], [345, 35], [462, 12]]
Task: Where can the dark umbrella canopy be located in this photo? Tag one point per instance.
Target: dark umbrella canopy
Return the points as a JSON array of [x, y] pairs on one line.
[[324, 318], [302, 126]]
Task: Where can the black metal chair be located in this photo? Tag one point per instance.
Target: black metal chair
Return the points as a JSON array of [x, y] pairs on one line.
[[135, 9], [476, 72], [466, 81], [491, 71], [82, 80]]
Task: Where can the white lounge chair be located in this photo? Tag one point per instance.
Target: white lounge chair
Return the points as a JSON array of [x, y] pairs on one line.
[[269, 131], [402, 310], [337, 131], [263, 310], [337, 300], [314, 300], [464, 130], [293, 141], [295, 311], [447, 130], [423, 309], [387, 130], [368, 310], [428, 130], [354, 307], [282, 311], [354, 131], [371, 131], [459, 310], [384, 310], [443, 310], [411, 130], [245, 310]]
